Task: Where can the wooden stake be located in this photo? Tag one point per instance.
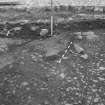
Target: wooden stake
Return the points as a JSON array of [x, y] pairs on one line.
[[51, 17]]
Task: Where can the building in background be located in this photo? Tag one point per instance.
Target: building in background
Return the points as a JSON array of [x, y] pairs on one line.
[[41, 3], [9, 4]]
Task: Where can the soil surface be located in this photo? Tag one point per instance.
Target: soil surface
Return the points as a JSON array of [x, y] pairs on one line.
[[51, 72]]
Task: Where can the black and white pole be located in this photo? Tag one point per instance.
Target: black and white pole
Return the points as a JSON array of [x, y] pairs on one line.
[[65, 52]]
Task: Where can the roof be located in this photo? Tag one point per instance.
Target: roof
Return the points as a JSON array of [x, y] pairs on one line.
[[39, 3], [9, 3]]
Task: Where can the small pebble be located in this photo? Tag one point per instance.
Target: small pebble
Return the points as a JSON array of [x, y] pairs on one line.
[[96, 99], [22, 62], [28, 89], [101, 79], [94, 90], [62, 75], [75, 77], [102, 68], [14, 91], [24, 83], [17, 28], [95, 81]]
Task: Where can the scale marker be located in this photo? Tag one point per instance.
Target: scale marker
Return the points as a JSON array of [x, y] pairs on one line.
[[59, 61]]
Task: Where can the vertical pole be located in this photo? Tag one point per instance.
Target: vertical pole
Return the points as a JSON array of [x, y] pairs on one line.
[[51, 25], [51, 17]]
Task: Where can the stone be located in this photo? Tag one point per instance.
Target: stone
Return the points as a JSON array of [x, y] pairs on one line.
[[78, 35], [62, 75], [84, 56], [60, 20], [101, 78], [17, 28], [78, 48], [96, 99], [34, 28], [101, 68], [24, 83], [52, 51], [70, 18], [90, 35], [43, 32]]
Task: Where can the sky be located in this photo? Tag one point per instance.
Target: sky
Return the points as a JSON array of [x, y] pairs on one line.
[[66, 2], [71, 2]]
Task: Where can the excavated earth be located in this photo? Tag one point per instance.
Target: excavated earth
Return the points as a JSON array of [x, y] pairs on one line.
[[30, 73]]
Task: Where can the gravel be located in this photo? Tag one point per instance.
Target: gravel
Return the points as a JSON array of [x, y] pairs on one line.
[[32, 80]]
